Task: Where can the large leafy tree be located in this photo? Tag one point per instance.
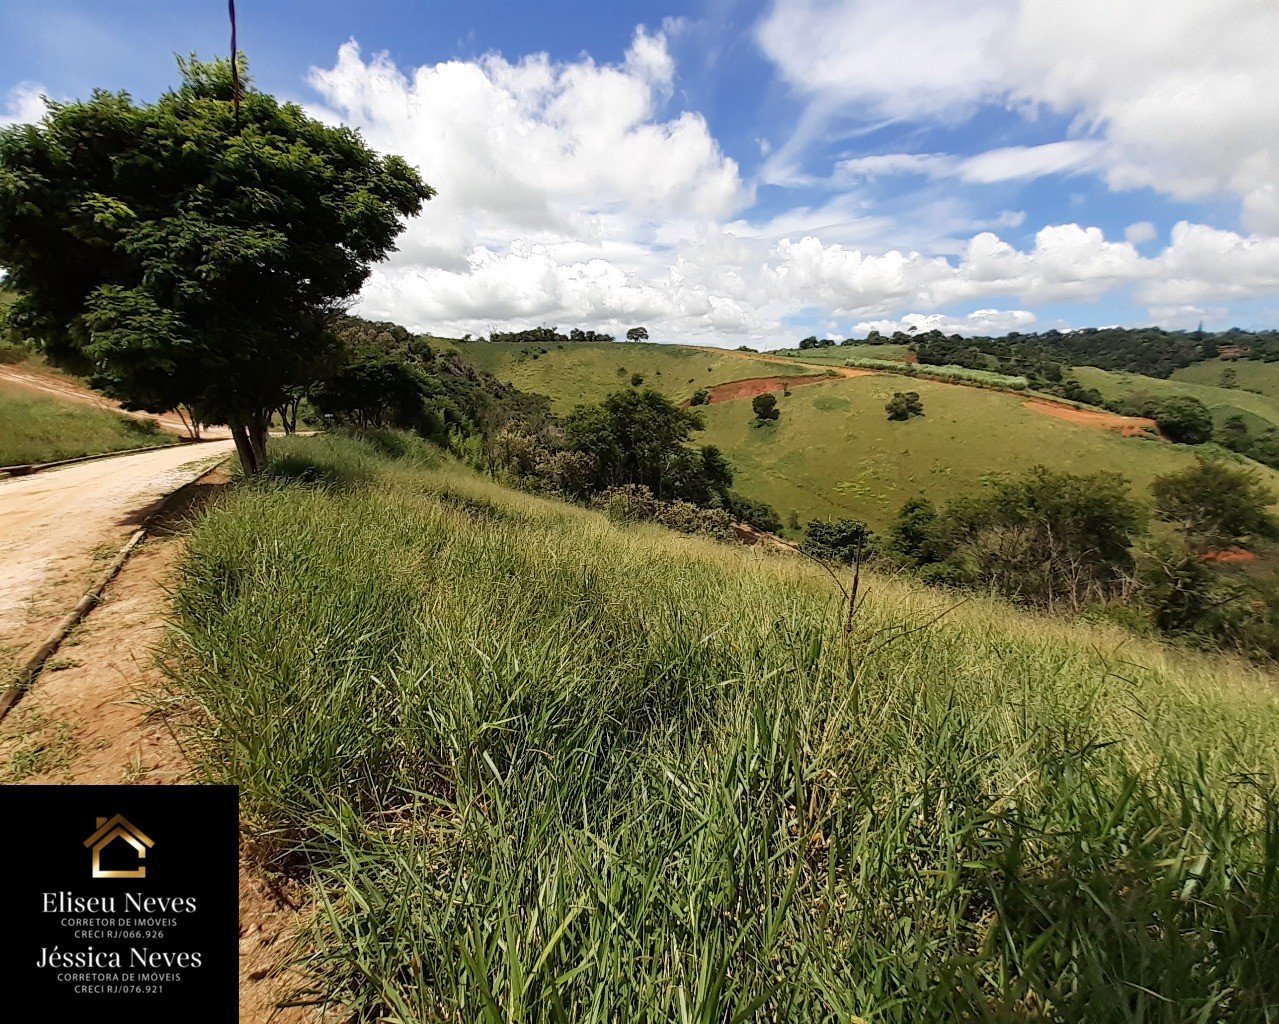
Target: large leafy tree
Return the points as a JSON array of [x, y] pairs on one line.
[[639, 437], [192, 251], [1215, 504]]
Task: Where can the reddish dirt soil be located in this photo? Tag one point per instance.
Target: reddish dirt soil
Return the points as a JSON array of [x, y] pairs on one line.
[[1129, 426], [1229, 556], [88, 719], [764, 385]]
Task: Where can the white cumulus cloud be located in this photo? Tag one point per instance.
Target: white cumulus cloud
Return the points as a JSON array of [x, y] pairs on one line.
[[23, 104], [1181, 96]]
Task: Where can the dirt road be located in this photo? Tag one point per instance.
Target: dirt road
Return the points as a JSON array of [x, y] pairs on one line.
[[89, 721], [59, 527]]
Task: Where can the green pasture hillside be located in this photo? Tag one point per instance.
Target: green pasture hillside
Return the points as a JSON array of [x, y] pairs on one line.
[[833, 452], [1249, 375], [573, 374], [836, 355], [1257, 409]]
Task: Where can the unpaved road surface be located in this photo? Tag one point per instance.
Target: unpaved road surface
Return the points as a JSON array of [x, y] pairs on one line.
[[71, 390], [89, 720], [59, 528]]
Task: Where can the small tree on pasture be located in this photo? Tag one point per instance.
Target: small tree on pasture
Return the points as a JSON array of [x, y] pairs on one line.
[[189, 253], [637, 334], [904, 405], [1184, 419], [765, 408]]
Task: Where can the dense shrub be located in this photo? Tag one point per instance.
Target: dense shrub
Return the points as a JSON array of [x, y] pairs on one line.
[[1215, 504], [765, 408], [1045, 538], [633, 503], [758, 514], [843, 540], [700, 397], [1183, 419], [904, 405]]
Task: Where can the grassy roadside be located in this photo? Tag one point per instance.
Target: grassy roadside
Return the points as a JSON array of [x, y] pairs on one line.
[[41, 428], [547, 769]]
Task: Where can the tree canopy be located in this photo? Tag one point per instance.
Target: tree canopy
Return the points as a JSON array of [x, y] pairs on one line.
[[1215, 504], [189, 255], [640, 437], [765, 408]]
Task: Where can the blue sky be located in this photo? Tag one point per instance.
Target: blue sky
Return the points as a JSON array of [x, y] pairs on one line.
[[758, 171]]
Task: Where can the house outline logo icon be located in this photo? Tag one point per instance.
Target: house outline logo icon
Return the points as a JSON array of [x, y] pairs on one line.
[[107, 832]]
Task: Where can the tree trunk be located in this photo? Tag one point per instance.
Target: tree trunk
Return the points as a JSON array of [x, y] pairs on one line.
[[248, 461], [257, 437], [289, 415]]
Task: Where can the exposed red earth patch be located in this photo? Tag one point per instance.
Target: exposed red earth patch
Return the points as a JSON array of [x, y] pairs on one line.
[[1229, 556], [764, 385], [1129, 426]]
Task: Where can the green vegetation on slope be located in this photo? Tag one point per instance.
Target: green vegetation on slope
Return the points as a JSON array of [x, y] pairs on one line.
[[833, 454], [577, 374], [836, 355], [1247, 375], [1257, 409], [41, 428], [540, 777]]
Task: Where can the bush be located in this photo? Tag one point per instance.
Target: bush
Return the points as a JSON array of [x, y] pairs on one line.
[[1043, 538], [1183, 419], [913, 535], [765, 408], [758, 514], [700, 397], [634, 503], [629, 503], [838, 541], [688, 518], [637, 379], [1214, 504], [904, 405]]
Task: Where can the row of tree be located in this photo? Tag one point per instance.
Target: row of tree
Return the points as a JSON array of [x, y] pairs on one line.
[[1043, 356], [545, 335]]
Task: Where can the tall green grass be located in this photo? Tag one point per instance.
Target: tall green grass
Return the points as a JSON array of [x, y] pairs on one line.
[[41, 428], [543, 768]]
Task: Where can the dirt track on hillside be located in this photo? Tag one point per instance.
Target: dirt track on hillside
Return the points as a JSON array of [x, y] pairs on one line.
[[1129, 426], [69, 390], [88, 721], [752, 386]]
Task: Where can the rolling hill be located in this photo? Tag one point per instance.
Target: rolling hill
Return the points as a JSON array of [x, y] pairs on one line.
[[1198, 381], [833, 453], [575, 374]]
